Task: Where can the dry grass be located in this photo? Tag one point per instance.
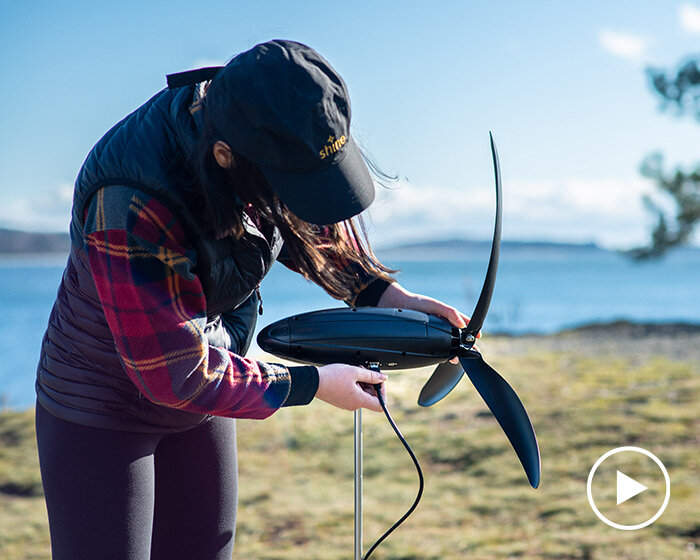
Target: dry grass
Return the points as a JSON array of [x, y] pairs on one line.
[[296, 468]]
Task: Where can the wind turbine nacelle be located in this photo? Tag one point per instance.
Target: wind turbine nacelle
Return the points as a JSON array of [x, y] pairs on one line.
[[392, 338]]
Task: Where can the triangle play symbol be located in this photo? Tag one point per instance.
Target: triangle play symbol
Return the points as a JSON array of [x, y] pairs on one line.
[[627, 488]]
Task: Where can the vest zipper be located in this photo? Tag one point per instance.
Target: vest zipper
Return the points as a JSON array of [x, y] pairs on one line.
[[260, 305]]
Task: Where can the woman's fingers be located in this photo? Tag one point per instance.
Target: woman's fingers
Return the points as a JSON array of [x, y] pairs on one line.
[[437, 307], [372, 392], [366, 381], [455, 318], [370, 376], [344, 385], [467, 319]]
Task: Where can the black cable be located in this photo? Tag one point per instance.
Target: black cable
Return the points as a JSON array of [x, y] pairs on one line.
[[378, 388]]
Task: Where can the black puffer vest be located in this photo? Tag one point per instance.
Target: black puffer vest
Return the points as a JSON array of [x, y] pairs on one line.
[[80, 376]]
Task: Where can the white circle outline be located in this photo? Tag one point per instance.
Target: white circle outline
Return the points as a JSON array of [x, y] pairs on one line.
[[590, 494]]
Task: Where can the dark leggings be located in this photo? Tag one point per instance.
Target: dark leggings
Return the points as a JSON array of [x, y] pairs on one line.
[[124, 495]]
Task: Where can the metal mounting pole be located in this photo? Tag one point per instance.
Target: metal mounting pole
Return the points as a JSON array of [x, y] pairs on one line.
[[358, 484]]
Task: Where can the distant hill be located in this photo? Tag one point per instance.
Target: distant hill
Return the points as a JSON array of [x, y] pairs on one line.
[[454, 248], [18, 242]]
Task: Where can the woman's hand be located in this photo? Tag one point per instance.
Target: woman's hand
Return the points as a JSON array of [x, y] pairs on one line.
[[348, 387], [397, 296]]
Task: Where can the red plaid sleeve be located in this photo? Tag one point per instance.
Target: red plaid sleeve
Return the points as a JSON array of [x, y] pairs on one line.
[[156, 310]]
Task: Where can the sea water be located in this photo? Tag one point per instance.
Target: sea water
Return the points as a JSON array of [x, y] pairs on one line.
[[537, 291]]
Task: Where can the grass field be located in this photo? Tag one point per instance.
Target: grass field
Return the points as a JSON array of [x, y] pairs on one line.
[[296, 469]]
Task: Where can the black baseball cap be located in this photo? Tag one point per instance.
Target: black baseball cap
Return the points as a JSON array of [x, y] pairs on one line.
[[284, 107]]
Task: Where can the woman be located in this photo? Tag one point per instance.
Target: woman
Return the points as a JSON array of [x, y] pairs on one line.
[[179, 212]]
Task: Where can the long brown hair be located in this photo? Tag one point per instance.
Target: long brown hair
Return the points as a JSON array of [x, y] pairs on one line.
[[327, 255]]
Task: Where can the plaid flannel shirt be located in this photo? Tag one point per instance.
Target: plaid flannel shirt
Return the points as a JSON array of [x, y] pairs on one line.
[[156, 309]]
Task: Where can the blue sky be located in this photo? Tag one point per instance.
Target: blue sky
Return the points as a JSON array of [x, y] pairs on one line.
[[561, 84]]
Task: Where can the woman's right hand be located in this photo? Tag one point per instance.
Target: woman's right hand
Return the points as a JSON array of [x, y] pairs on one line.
[[340, 385]]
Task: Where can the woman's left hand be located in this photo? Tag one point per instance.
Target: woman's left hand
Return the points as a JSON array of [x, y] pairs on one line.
[[397, 296]]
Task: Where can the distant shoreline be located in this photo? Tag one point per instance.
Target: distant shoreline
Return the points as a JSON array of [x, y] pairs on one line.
[[486, 244], [13, 242], [16, 242], [447, 249]]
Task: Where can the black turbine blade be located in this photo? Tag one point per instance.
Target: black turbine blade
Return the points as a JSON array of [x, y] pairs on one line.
[[446, 375], [441, 382], [482, 306], [508, 410]]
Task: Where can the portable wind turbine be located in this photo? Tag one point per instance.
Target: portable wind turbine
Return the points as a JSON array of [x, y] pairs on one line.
[[402, 339]]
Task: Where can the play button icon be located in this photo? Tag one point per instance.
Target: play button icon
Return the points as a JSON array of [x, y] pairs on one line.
[[627, 487]]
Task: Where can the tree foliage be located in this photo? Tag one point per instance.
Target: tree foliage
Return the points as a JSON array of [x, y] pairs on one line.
[[679, 90]]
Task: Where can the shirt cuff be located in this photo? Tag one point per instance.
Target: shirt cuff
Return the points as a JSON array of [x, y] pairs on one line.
[[372, 293], [304, 385]]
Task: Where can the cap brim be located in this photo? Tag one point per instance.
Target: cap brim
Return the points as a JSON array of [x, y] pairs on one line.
[[334, 194]]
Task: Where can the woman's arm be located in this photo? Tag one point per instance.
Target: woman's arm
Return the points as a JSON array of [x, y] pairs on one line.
[[156, 310]]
